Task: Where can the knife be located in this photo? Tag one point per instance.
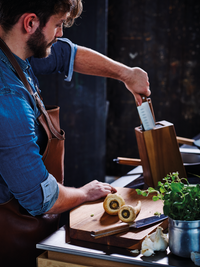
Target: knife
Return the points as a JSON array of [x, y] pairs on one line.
[[122, 227], [187, 141], [189, 150], [128, 161], [146, 116]]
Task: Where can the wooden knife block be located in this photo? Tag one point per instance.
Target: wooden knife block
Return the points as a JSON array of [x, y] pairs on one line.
[[159, 152]]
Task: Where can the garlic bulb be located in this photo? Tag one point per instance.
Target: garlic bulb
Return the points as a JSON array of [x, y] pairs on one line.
[[147, 252], [152, 236], [147, 247], [157, 241], [161, 241]]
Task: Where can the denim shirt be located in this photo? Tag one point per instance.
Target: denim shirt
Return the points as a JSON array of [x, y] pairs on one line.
[[22, 171]]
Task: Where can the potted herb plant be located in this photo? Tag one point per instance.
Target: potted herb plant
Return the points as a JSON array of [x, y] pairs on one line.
[[182, 206]]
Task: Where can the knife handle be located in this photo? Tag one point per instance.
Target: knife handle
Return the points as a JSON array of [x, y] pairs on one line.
[[110, 230], [129, 161], [145, 99], [151, 108], [185, 141]]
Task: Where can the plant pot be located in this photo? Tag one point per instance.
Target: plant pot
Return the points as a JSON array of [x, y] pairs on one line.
[[184, 237]]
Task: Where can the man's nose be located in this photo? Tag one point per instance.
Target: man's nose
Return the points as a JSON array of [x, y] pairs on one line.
[[59, 32]]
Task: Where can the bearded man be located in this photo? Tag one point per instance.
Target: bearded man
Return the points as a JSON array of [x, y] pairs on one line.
[[31, 31]]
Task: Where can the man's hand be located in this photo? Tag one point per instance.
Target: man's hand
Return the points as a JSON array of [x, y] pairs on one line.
[[137, 82], [95, 190], [70, 197]]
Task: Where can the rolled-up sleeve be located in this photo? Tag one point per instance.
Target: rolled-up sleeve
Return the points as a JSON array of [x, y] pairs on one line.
[[50, 195], [60, 60]]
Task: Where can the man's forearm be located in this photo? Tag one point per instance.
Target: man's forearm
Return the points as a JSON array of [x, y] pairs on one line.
[[70, 197], [88, 61]]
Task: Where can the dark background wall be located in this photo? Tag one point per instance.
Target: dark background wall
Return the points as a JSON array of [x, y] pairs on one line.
[[82, 101], [163, 38]]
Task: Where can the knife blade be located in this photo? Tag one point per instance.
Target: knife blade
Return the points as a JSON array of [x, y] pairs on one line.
[[189, 150], [146, 116], [122, 227]]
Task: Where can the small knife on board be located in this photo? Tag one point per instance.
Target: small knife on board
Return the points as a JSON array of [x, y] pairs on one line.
[[122, 227]]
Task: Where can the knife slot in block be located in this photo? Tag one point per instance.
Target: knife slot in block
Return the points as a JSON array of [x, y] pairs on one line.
[[159, 152]]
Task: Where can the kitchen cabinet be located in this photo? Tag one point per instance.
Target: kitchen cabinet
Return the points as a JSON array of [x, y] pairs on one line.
[[56, 259]]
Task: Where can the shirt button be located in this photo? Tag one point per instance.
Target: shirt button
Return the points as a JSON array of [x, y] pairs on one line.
[[29, 78]]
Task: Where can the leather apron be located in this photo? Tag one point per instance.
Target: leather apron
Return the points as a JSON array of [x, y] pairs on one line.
[[20, 231]]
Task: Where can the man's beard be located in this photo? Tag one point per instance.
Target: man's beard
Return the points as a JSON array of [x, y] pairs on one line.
[[38, 45]]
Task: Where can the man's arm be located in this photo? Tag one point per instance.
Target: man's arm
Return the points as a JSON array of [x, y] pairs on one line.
[[90, 62], [70, 197]]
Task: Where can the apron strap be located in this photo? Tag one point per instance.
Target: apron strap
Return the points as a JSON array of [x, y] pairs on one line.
[[22, 77]]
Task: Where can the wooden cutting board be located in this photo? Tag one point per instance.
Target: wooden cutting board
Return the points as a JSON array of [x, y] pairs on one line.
[[91, 216]]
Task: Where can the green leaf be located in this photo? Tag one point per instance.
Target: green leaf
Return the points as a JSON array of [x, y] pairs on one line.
[[144, 194], [162, 190], [177, 187], [157, 213], [167, 196], [155, 198], [139, 192], [151, 190], [178, 205], [166, 209]]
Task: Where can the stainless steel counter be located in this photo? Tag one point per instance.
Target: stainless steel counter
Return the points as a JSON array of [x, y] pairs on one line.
[[56, 243]]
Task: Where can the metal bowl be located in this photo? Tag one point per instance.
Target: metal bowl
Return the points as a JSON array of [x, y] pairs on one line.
[[190, 159], [184, 237]]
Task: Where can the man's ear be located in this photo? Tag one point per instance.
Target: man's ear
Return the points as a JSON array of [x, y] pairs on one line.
[[31, 22]]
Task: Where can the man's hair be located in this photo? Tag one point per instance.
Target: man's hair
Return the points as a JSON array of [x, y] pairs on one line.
[[12, 10]]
